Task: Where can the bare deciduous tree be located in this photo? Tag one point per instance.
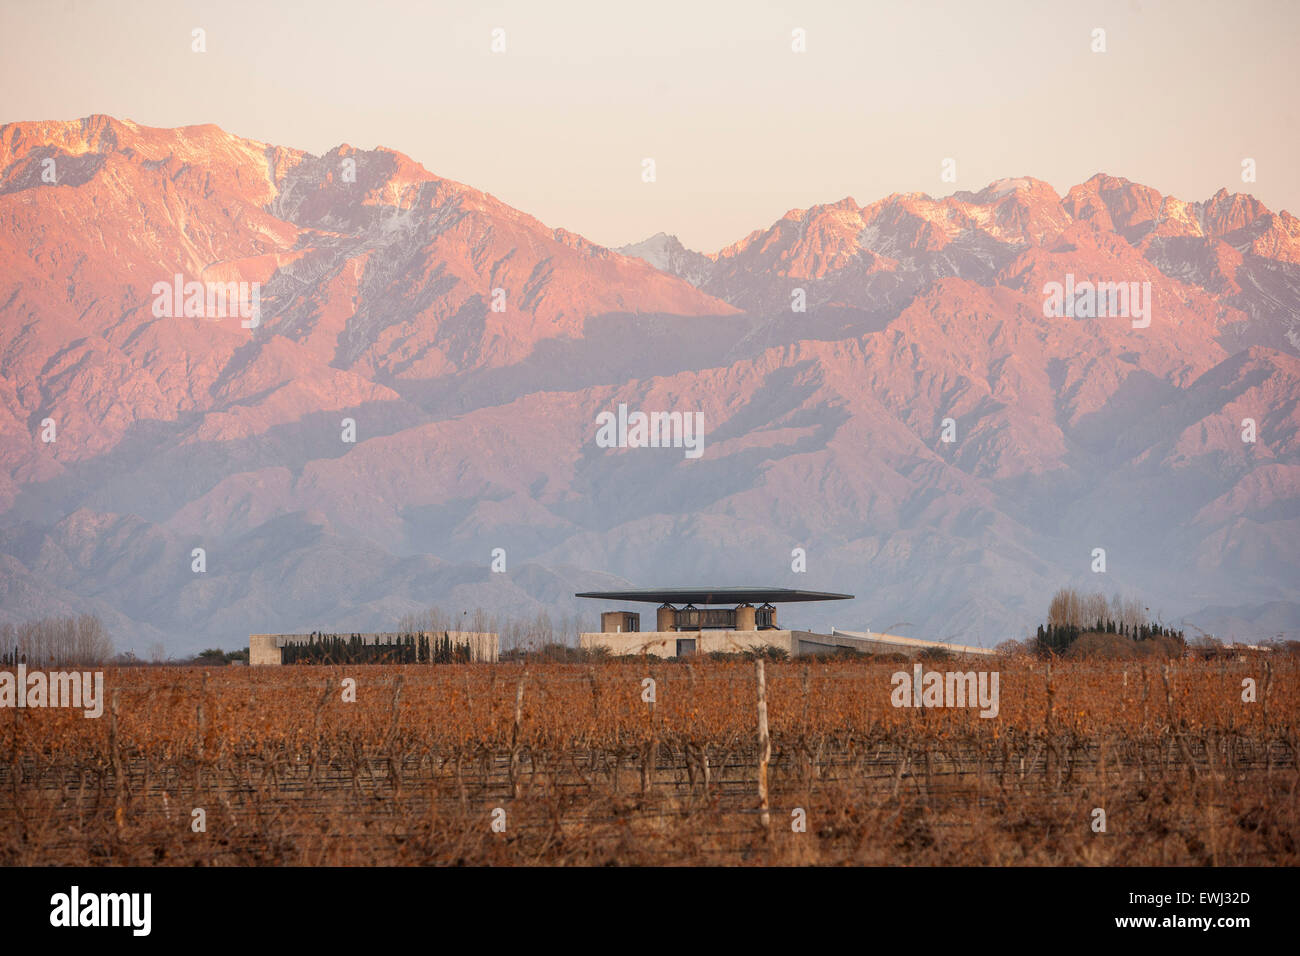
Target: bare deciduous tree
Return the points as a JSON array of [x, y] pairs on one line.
[[57, 642]]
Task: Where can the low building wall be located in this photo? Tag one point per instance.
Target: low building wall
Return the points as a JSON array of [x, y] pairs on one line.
[[894, 644], [794, 643], [264, 649], [664, 643]]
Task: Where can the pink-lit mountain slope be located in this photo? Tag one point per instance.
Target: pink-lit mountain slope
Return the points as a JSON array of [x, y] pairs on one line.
[[475, 429]]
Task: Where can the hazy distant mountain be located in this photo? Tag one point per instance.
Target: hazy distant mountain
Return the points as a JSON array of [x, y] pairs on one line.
[[475, 428], [667, 254]]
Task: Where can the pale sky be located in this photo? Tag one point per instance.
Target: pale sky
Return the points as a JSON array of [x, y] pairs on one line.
[[740, 127]]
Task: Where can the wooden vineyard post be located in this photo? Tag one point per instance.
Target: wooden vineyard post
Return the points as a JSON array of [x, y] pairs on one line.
[[202, 723], [119, 775], [515, 784], [764, 749], [650, 755], [1051, 745], [807, 751], [390, 740], [1268, 686]]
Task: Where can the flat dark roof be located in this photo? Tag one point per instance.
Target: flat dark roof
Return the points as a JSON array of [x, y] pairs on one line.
[[714, 595]]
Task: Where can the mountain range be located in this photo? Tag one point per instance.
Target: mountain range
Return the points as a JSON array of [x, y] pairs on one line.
[[472, 347]]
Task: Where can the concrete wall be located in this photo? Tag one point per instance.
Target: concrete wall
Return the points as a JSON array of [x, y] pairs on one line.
[[794, 643], [264, 649], [893, 644], [612, 622], [664, 643]]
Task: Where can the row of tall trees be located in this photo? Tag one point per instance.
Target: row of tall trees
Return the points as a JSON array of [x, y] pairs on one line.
[[517, 633], [404, 649], [81, 641]]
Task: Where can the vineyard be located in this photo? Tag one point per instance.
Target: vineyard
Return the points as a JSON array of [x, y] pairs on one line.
[[634, 762]]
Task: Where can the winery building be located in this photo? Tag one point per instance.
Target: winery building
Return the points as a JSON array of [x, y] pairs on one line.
[[706, 621], [734, 620]]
